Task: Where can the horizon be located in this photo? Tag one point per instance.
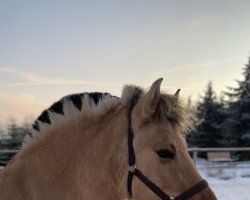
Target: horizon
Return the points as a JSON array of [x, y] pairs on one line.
[[49, 50]]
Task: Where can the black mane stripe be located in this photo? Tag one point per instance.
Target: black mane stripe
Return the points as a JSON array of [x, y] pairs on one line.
[[57, 107], [44, 117], [76, 99], [96, 96], [35, 126]]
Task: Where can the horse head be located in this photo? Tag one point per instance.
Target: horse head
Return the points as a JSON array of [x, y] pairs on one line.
[[160, 165]]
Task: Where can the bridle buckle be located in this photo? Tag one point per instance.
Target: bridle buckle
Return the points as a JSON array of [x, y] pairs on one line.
[[131, 168]]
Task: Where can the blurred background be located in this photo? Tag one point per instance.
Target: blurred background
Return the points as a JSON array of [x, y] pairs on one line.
[[49, 49]]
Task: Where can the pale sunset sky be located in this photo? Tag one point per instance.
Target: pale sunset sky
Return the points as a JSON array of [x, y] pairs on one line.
[[52, 48]]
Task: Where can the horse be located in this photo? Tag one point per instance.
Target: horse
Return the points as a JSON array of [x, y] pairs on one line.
[[95, 146]]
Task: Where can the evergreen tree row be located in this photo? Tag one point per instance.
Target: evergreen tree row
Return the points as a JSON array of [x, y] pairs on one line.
[[220, 123]]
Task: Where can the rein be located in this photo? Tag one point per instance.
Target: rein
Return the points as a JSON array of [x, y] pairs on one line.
[[134, 171]]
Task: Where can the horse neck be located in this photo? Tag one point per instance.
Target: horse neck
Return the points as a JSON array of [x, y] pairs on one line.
[[83, 158], [103, 160]]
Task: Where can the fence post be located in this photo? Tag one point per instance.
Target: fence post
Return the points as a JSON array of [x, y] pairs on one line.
[[194, 156]]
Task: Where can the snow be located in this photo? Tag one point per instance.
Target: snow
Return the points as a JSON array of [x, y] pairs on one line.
[[229, 181]]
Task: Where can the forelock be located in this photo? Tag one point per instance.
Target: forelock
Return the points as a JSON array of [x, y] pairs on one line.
[[170, 109], [130, 92]]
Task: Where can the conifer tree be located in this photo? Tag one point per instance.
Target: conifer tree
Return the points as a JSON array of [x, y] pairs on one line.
[[1, 131], [237, 125], [17, 134], [209, 115]]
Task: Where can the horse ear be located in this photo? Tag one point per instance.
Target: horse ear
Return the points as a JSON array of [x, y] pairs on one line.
[[151, 99], [177, 93]]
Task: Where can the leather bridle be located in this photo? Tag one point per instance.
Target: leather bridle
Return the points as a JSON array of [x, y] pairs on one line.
[[134, 171]]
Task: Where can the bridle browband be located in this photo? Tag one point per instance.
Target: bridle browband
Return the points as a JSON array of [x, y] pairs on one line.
[[134, 171]]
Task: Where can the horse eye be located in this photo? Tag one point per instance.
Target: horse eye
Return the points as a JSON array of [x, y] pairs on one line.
[[165, 154]]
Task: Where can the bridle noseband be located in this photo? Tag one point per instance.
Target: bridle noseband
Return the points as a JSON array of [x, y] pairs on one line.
[[133, 171]]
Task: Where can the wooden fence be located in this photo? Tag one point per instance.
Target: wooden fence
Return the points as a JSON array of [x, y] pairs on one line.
[[9, 151], [6, 155], [195, 151]]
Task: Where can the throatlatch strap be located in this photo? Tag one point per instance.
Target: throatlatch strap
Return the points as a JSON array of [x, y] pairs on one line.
[[129, 182], [193, 190], [131, 153]]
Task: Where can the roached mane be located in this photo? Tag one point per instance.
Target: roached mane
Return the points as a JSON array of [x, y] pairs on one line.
[[72, 107]]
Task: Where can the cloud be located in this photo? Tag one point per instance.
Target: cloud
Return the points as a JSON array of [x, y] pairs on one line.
[[35, 79], [206, 21], [203, 21], [2, 93], [203, 65], [19, 106], [25, 75]]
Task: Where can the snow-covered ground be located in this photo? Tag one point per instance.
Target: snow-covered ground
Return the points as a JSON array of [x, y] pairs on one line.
[[229, 181]]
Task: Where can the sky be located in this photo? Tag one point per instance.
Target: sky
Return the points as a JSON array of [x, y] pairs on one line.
[[52, 48]]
